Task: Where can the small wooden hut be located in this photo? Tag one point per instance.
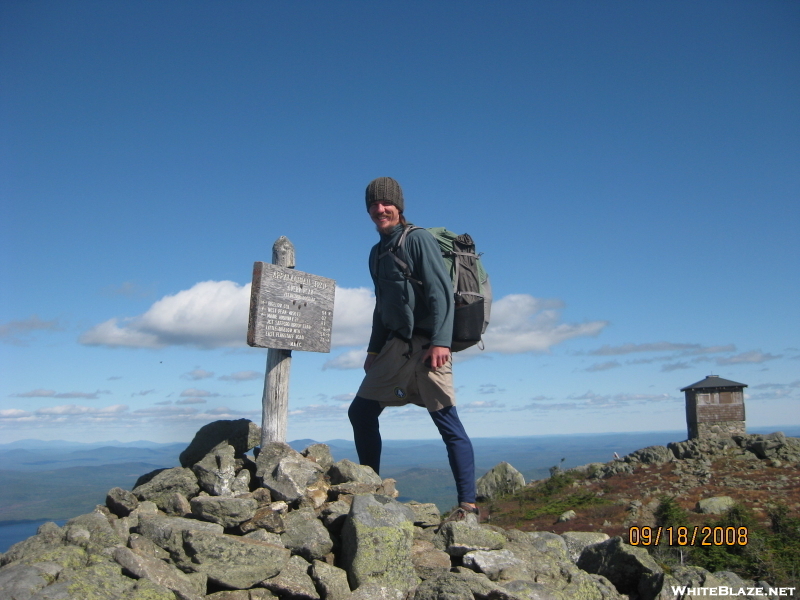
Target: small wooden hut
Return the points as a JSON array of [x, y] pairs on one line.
[[715, 408]]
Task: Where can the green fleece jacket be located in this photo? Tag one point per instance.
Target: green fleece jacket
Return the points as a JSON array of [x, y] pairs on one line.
[[400, 306]]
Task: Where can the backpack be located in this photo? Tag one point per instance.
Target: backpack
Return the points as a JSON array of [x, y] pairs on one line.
[[472, 291]]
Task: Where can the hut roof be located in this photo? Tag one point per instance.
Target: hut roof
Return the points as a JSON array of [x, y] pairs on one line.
[[713, 381]]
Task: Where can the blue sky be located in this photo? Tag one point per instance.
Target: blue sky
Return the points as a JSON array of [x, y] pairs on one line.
[[628, 169]]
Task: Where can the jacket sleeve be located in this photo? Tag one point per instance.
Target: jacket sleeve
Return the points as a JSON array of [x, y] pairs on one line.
[[437, 286], [380, 333]]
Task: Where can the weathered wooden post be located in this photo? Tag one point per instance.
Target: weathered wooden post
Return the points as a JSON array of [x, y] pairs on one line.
[[275, 399], [289, 310]]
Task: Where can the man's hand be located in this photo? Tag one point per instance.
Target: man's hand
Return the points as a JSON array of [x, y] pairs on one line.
[[368, 363], [438, 356]]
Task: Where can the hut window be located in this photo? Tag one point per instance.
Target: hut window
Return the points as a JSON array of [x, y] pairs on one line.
[[725, 398], [704, 398]]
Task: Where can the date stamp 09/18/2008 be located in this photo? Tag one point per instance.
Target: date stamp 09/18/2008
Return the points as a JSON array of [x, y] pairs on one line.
[[688, 536]]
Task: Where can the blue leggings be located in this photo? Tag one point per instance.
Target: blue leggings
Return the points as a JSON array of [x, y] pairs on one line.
[[364, 415]]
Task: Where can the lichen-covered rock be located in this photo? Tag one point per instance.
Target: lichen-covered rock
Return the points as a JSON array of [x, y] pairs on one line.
[[121, 502], [161, 487], [346, 471], [330, 581], [715, 506], [167, 533], [578, 540], [376, 543], [21, 581], [491, 563], [320, 454], [652, 455], [501, 479], [216, 471], [286, 473], [233, 561], [293, 581], [264, 518], [306, 535], [459, 537], [630, 569], [159, 572], [425, 515], [242, 434], [225, 510]]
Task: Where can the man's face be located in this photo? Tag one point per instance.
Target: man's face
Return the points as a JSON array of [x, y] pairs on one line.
[[385, 216]]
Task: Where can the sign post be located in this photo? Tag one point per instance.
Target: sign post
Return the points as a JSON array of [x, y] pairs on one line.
[[289, 310]]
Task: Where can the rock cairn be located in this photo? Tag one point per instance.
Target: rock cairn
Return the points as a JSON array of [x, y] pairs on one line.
[[291, 525]]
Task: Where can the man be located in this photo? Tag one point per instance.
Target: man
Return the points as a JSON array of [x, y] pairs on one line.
[[408, 357]]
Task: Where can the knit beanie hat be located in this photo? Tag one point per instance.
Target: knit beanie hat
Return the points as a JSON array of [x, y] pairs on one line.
[[385, 189]]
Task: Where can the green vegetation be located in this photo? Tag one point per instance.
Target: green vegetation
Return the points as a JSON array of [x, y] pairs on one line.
[[770, 553], [549, 497]]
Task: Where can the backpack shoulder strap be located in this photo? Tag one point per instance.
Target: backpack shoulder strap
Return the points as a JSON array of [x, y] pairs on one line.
[[400, 245]]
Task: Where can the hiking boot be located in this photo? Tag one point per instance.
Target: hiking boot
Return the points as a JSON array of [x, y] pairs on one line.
[[462, 513]]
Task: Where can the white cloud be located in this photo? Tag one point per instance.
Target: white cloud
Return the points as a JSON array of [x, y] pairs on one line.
[[753, 357], [688, 349], [352, 359], [16, 332], [352, 317], [242, 376], [197, 374], [195, 393], [521, 323], [604, 366], [214, 314], [191, 401], [40, 393]]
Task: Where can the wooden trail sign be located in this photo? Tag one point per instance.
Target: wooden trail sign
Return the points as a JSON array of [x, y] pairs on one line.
[[289, 310]]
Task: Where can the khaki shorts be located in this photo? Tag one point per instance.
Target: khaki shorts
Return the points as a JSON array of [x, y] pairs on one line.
[[394, 380]]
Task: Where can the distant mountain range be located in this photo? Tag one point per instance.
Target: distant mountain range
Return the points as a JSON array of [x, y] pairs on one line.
[[58, 479]]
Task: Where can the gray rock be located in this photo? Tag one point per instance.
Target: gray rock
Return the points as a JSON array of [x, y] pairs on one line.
[[530, 590], [254, 594], [715, 506], [99, 581], [567, 516], [293, 581], [242, 434], [577, 541], [177, 505], [376, 591], [630, 569], [121, 502], [426, 557], [93, 532], [425, 515], [233, 561], [265, 536], [159, 572], [20, 582], [330, 581], [652, 455], [162, 486], [270, 455], [264, 518], [491, 563], [167, 533], [216, 472], [145, 547], [376, 543], [306, 535], [346, 471], [225, 510], [320, 454], [335, 513], [501, 480], [286, 473], [448, 585], [459, 537]]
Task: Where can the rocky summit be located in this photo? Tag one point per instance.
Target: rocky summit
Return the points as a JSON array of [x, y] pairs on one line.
[[294, 525]]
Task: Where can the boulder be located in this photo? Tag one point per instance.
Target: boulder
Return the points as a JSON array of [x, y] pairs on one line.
[[346, 471], [121, 502], [630, 569], [159, 572], [376, 543], [264, 518], [330, 581], [242, 434], [715, 506], [501, 480], [22, 581], [233, 561], [167, 533], [216, 472], [306, 535], [425, 515], [491, 563], [225, 510], [577, 541], [652, 455], [459, 537], [320, 454], [161, 487], [293, 581]]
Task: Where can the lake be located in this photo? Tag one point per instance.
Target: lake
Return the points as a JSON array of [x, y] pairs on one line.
[[11, 533]]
